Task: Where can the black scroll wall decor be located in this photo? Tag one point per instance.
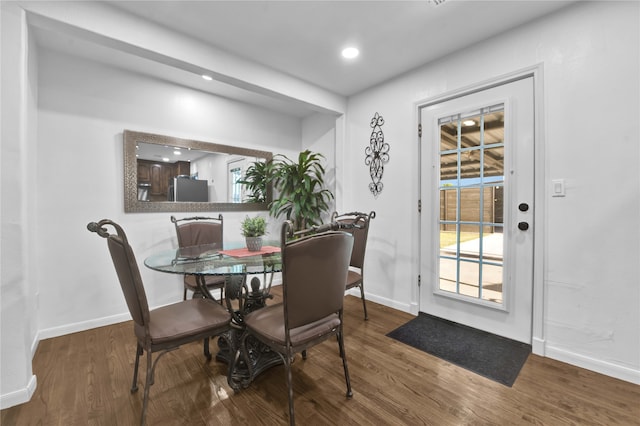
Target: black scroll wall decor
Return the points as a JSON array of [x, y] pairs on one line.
[[377, 154]]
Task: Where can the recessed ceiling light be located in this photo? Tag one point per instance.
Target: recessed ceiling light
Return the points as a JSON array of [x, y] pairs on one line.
[[350, 52], [177, 152], [207, 77], [468, 122], [165, 159]]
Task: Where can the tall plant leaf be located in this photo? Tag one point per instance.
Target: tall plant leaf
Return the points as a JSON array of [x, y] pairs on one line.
[[302, 197]]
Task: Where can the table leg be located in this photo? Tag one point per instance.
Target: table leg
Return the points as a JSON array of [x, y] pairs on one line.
[[202, 287]]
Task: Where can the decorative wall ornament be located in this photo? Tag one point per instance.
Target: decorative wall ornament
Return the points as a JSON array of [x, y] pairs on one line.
[[377, 153]]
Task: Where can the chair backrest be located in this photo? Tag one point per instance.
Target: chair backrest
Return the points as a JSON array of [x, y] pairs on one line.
[[314, 272], [198, 230], [357, 224], [127, 270]]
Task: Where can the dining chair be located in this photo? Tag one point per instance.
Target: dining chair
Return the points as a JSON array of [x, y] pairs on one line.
[[195, 231], [314, 269], [161, 329], [357, 224]]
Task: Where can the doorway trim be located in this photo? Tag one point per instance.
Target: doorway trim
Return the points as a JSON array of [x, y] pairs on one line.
[[539, 182]]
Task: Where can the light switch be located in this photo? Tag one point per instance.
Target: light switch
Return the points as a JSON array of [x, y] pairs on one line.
[[557, 188]]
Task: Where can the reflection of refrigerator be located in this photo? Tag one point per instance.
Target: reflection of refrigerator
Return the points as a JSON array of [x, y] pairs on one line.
[[186, 189], [143, 191]]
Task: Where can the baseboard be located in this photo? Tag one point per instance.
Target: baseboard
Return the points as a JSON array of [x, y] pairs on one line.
[[20, 396], [383, 301], [613, 370], [538, 346], [48, 333]]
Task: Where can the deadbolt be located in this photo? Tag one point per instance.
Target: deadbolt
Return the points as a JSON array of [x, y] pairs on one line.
[[523, 226], [523, 207]]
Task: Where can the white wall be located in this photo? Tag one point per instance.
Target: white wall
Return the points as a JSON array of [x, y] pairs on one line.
[[83, 109], [18, 307], [319, 135], [590, 54]]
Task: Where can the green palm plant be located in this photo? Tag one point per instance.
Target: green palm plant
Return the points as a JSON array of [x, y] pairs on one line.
[[256, 179], [302, 197]]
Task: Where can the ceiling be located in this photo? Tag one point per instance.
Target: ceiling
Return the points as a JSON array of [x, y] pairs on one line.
[[304, 38]]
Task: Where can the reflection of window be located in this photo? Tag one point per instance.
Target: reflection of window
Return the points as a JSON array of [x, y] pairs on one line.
[[236, 187]]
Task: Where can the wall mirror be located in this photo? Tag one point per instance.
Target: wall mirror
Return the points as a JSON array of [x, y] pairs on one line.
[[169, 174]]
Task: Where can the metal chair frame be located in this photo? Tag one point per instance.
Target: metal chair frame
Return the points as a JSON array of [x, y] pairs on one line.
[[217, 319], [356, 223], [180, 222], [289, 349]]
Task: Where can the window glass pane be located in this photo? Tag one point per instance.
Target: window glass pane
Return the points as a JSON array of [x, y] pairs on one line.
[[498, 205], [469, 279], [448, 240], [449, 136], [470, 204], [448, 275], [470, 165], [469, 241], [494, 128], [448, 167], [494, 164], [448, 206], [492, 283], [236, 187], [470, 131]]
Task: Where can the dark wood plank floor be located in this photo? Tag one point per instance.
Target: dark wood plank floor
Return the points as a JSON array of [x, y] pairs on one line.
[[84, 379]]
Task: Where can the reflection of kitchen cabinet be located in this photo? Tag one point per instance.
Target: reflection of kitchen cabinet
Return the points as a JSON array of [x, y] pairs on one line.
[[183, 168], [158, 175], [144, 172], [158, 183]]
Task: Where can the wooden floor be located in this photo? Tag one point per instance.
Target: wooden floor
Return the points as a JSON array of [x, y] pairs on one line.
[[84, 379]]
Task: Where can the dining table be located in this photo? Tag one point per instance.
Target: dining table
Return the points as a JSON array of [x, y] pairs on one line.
[[248, 279]]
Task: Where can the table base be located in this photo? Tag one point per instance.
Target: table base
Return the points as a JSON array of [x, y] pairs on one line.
[[239, 374]]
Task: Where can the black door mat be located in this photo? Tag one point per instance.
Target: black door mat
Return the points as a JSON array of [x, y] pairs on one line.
[[494, 357]]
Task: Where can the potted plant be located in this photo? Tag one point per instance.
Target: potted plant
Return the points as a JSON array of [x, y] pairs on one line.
[[253, 228], [255, 180], [302, 197]]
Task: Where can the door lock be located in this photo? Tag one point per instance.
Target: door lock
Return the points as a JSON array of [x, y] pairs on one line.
[[523, 207], [523, 226]]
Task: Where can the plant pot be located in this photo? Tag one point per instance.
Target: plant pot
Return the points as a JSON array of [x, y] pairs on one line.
[[254, 243]]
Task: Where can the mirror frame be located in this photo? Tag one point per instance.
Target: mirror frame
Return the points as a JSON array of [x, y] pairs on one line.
[[133, 205]]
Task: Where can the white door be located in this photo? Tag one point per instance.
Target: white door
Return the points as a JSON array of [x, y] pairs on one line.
[[476, 242]]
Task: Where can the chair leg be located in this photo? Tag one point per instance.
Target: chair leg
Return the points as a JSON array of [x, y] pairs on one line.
[[147, 385], [207, 352], [343, 355], [134, 385], [364, 302], [287, 364]]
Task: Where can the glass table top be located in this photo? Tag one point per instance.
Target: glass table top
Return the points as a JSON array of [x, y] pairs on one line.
[[211, 259]]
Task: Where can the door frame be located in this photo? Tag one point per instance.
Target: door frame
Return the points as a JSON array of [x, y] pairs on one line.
[[539, 183]]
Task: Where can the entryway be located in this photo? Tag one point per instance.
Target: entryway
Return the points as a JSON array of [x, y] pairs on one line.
[[477, 193]]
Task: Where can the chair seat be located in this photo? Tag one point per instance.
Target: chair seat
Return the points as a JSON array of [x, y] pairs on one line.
[[184, 320], [353, 279], [269, 322], [211, 281]]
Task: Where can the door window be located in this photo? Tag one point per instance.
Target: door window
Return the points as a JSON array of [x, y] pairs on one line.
[[471, 185]]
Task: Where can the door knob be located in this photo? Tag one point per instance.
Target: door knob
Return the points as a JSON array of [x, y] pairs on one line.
[[523, 226], [523, 207]]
